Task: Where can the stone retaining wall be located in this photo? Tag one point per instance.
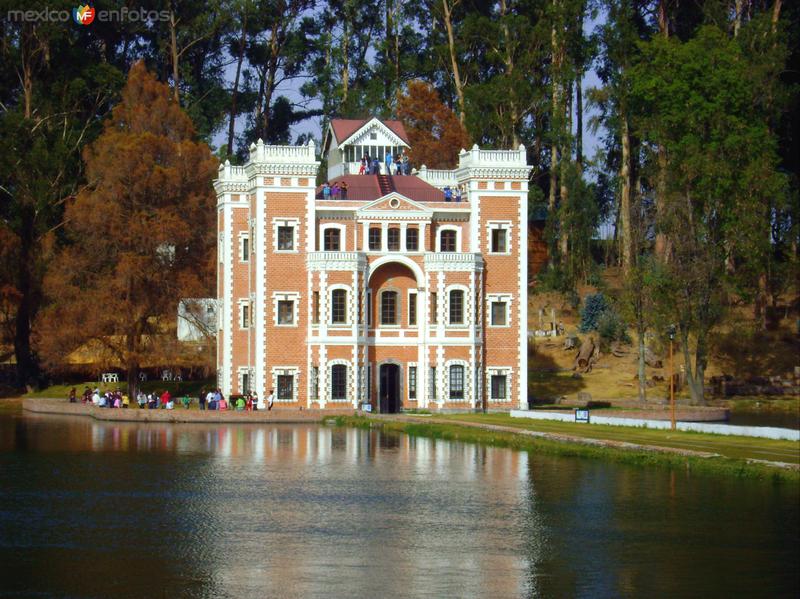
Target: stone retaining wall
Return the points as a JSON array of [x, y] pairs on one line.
[[766, 432]]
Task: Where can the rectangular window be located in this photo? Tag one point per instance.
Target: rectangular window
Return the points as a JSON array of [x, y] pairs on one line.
[[389, 307], [332, 240], [338, 306], [245, 316], [456, 307], [499, 315], [393, 239], [315, 307], [498, 241], [285, 239], [369, 381], [432, 383], [412, 382], [434, 311], [457, 382], [369, 308], [285, 312], [498, 384], [447, 241], [338, 382], [245, 249], [285, 387], [245, 383], [375, 239], [412, 239], [412, 309], [315, 382]]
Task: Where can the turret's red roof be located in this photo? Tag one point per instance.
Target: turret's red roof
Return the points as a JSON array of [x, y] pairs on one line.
[[344, 128], [366, 188]]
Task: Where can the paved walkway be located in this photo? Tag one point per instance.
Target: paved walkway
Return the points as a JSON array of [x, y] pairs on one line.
[[179, 414]]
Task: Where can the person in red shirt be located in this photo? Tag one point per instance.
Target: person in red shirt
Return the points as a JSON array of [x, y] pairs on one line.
[[164, 399]]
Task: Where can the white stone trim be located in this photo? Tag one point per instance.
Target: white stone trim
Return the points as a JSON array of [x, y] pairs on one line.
[[329, 383], [442, 228], [467, 307], [415, 293], [242, 302], [506, 371], [240, 372], [244, 258], [497, 224], [328, 311], [467, 381], [292, 371], [507, 299], [342, 236], [409, 366], [286, 222], [286, 296]]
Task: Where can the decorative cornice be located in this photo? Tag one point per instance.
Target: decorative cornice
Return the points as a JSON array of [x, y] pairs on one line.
[[493, 172]]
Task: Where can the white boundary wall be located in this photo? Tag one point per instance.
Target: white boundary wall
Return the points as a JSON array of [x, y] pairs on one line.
[[767, 432]]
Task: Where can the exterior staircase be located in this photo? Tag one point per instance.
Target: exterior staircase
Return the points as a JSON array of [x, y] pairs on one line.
[[386, 184]]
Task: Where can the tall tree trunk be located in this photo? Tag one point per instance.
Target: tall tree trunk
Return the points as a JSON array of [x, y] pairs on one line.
[[738, 7], [513, 105], [579, 121], [563, 189], [387, 76], [625, 195], [26, 367], [694, 376], [173, 39], [345, 61], [641, 373], [239, 61], [447, 13]]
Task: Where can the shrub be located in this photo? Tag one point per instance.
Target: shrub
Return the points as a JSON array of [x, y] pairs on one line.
[[593, 307]]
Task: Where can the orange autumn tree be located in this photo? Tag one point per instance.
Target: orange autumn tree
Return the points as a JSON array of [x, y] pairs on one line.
[[139, 237], [434, 132]]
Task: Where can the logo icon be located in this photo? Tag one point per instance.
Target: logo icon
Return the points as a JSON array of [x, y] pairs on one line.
[[83, 15]]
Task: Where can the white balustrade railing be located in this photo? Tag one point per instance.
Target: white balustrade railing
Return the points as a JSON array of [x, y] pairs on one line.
[[437, 177], [478, 157]]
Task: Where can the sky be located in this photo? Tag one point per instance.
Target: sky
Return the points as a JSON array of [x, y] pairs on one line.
[[291, 89]]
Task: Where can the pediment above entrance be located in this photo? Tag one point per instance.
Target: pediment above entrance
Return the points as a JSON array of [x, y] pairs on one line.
[[394, 205]]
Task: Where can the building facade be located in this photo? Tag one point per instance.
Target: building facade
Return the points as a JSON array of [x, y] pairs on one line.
[[392, 296]]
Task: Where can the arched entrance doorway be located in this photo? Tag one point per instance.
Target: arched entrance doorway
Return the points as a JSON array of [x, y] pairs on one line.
[[389, 388]]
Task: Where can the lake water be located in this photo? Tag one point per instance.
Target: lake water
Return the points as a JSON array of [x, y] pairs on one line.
[[90, 509]]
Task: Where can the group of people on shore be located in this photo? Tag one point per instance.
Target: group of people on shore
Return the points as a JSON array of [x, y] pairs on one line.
[[207, 400], [397, 165], [250, 402]]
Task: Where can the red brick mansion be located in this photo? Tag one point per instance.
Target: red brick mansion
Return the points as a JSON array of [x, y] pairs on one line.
[[394, 294]]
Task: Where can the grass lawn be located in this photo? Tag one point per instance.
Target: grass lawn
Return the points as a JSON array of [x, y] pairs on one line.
[[728, 446]]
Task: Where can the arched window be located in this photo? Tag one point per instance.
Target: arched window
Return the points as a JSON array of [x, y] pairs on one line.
[[389, 307], [456, 382], [338, 382], [332, 240], [447, 240], [338, 306], [456, 306]]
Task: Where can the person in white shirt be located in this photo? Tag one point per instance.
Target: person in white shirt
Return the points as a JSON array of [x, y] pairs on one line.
[[209, 398], [270, 399]]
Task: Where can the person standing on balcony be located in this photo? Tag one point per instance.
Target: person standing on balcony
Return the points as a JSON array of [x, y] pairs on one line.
[[326, 191], [389, 162], [343, 190], [364, 165], [376, 167], [406, 164], [398, 165]]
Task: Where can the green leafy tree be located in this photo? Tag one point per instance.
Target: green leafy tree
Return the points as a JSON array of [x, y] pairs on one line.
[[697, 101]]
